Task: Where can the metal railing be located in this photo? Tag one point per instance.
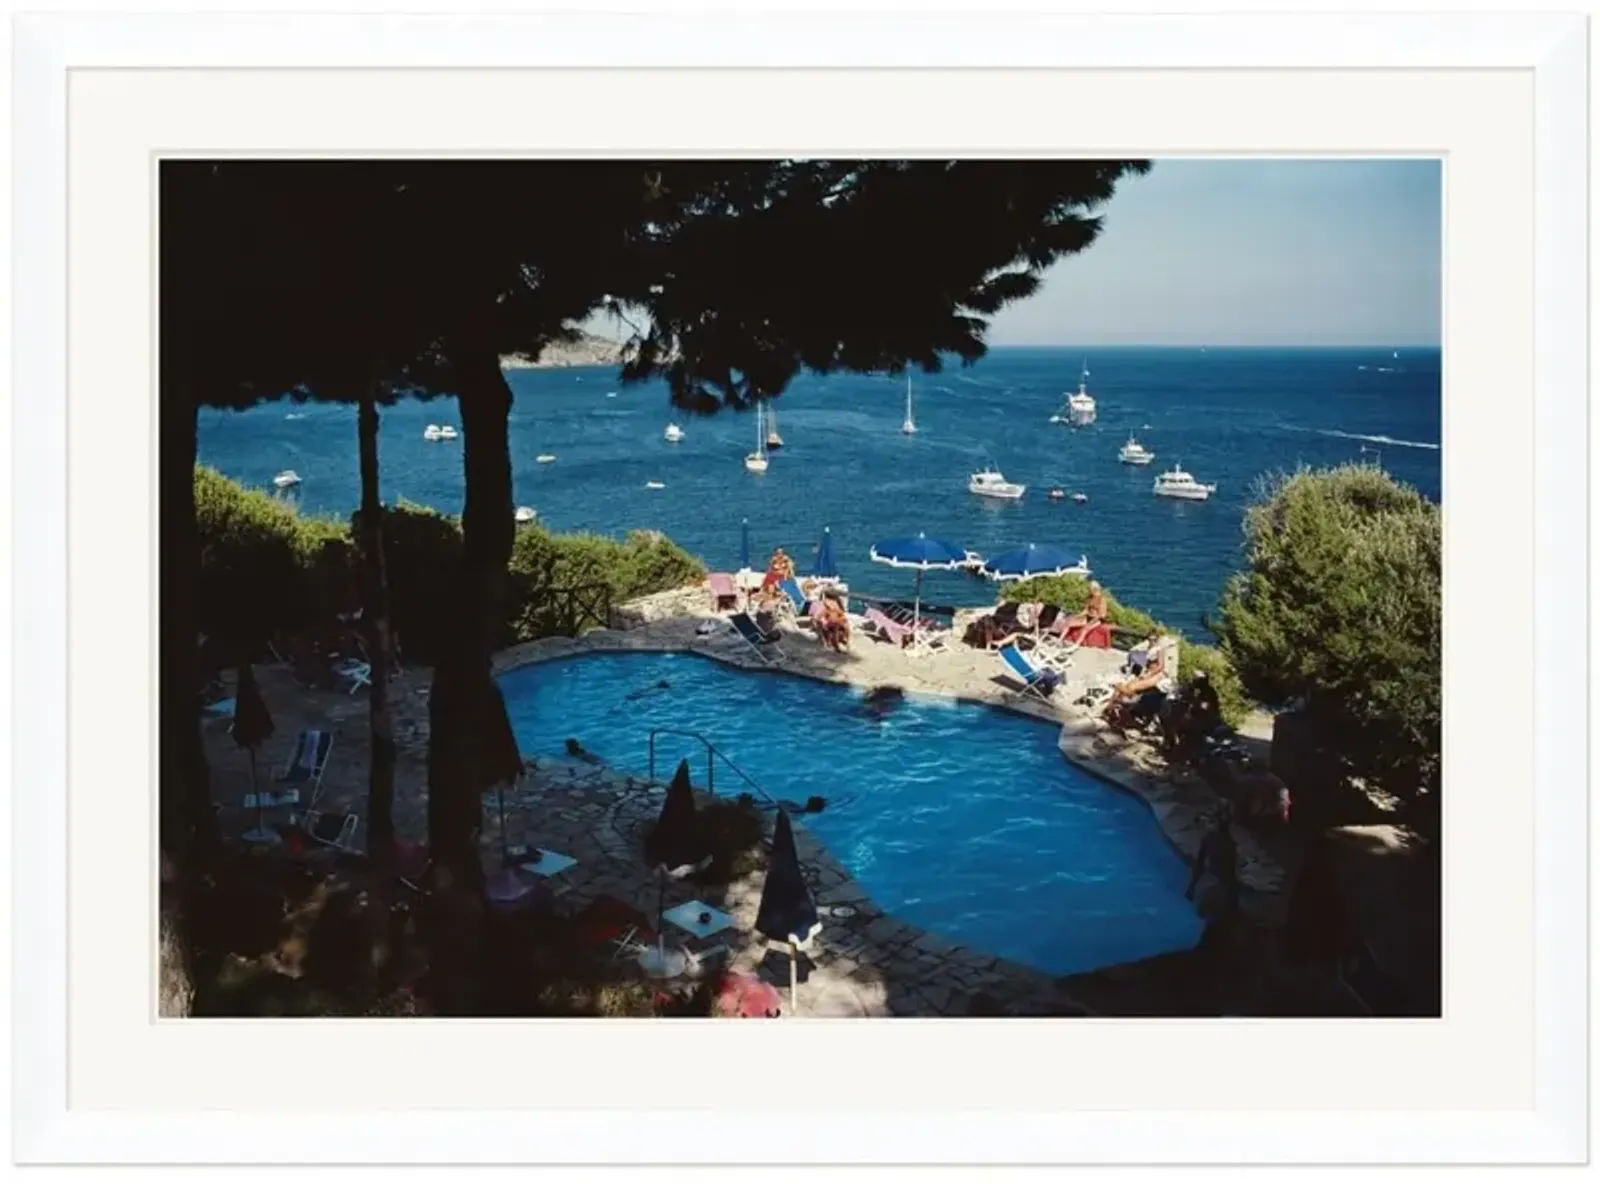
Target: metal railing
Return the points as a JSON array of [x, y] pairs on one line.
[[713, 755]]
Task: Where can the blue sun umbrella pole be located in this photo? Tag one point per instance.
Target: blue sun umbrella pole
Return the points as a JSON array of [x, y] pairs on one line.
[[923, 555], [1024, 563], [744, 545], [787, 912]]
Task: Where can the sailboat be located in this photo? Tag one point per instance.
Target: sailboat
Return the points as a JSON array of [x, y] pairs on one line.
[[909, 427], [774, 441], [756, 462]]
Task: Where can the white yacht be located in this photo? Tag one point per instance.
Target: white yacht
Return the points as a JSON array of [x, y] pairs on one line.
[[655, 485], [973, 562], [432, 432], [525, 515], [286, 479], [1135, 453], [673, 434], [909, 427], [1177, 483], [446, 432], [545, 458], [1080, 409], [756, 461], [990, 482]]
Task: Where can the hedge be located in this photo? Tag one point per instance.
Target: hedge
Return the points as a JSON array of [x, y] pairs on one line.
[[266, 569], [1071, 593]]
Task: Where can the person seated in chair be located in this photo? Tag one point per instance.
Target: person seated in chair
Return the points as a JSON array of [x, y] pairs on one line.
[[833, 625], [1094, 613], [1150, 672], [779, 568]]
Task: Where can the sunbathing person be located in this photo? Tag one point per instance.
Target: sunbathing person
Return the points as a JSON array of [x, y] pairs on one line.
[[779, 568], [1094, 613], [1149, 677], [833, 625]]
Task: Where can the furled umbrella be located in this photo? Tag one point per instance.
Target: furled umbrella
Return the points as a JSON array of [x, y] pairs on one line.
[[252, 725], [923, 555], [1024, 563], [677, 848], [787, 912], [825, 568], [498, 764]]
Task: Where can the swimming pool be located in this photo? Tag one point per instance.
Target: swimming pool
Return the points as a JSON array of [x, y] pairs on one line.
[[962, 819]]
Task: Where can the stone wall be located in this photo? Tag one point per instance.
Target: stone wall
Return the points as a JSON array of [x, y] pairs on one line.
[[692, 601]]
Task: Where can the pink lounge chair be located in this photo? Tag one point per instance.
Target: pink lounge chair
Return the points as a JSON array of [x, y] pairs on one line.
[[887, 627], [723, 594]]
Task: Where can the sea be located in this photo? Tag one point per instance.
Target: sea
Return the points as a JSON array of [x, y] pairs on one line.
[[1231, 417]]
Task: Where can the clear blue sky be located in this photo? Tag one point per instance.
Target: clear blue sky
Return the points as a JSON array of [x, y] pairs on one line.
[[1251, 252]]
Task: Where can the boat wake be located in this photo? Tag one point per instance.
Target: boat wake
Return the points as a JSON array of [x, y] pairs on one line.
[[1390, 440]]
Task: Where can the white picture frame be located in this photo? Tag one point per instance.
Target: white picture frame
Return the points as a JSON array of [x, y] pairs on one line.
[[53, 767]]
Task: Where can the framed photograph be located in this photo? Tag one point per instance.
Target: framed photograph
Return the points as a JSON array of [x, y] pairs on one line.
[[1043, 554]]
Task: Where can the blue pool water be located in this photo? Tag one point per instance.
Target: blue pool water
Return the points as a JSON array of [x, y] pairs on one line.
[[962, 819]]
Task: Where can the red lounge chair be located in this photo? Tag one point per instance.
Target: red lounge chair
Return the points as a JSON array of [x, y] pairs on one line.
[[724, 596], [1097, 637]]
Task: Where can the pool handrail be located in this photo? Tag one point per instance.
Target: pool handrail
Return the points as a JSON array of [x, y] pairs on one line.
[[713, 754]]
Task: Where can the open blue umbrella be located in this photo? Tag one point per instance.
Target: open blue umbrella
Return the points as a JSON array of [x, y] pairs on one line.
[[787, 912], [924, 555], [825, 568], [1033, 560]]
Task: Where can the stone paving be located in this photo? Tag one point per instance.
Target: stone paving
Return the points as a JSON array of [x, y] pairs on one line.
[[865, 962]]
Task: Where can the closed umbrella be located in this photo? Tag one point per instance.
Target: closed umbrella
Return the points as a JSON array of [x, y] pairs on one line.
[[252, 725], [677, 848], [825, 568], [498, 763], [1033, 560], [923, 555], [787, 912]]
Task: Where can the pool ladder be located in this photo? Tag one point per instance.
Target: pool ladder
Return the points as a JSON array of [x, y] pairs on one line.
[[713, 755]]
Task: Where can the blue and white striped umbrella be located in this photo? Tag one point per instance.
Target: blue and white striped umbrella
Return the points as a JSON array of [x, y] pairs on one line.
[[922, 554], [1026, 562]]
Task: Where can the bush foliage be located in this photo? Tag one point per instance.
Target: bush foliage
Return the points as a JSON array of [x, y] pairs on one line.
[[1339, 609], [266, 569], [1071, 593]]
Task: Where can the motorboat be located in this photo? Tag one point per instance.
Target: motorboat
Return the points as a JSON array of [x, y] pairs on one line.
[[1135, 453], [654, 485], [673, 434], [774, 441], [1080, 498], [525, 515], [446, 432], [990, 482], [1177, 483], [973, 563], [286, 479], [756, 461], [1080, 407], [545, 458], [1057, 494], [909, 425], [433, 432]]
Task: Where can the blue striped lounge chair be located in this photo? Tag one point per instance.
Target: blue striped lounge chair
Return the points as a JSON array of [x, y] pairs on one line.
[[795, 600], [761, 643], [1038, 681]]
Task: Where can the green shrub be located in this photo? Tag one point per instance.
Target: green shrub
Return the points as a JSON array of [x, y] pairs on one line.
[[1340, 610], [1071, 593], [266, 569]]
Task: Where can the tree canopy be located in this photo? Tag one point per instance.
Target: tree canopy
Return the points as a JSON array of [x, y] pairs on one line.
[[1339, 610]]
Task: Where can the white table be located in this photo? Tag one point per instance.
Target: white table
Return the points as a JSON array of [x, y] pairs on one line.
[[687, 917], [549, 863]]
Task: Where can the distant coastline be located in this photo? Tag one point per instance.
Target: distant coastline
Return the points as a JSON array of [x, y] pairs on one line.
[[588, 350]]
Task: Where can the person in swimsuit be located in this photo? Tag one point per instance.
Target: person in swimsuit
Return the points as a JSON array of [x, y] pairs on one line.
[[1094, 613]]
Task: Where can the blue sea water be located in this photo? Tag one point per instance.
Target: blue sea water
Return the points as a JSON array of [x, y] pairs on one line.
[[1227, 415], [959, 818]]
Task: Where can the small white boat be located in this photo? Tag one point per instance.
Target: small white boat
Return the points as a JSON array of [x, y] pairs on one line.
[[756, 462], [286, 479], [654, 485], [774, 441], [525, 515], [973, 562], [909, 426], [990, 482], [673, 434], [545, 458], [1080, 498], [1079, 410], [446, 432], [611, 394], [1177, 483], [1057, 494], [1135, 453], [433, 432]]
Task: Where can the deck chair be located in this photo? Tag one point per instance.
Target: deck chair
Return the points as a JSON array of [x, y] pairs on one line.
[[724, 596], [334, 831], [1037, 681], [794, 600], [761, 643], [885, 628], [308, 762]]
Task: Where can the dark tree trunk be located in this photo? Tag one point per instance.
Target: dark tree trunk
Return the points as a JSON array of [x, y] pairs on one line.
[[375, 617], [456, 744]]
